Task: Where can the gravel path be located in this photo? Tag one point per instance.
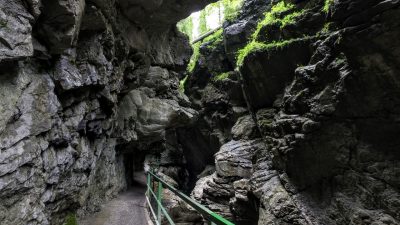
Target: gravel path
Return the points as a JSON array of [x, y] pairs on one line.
[[127, 209]]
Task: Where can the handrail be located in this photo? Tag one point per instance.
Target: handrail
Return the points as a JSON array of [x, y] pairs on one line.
[[211, 216], [205, 35]]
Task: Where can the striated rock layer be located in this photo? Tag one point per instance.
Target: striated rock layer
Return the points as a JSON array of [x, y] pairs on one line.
[[87, 88], [318, 143]]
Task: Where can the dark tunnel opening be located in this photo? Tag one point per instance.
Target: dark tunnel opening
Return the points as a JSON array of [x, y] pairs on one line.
[[134, 167]]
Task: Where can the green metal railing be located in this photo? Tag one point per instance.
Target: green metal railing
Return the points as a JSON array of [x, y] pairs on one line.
[[152, 179]]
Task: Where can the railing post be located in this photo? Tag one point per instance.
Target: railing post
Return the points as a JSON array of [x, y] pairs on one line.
[[148, 185], [159, 199]]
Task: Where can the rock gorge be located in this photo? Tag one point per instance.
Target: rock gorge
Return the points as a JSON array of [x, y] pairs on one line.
[[289, 116]]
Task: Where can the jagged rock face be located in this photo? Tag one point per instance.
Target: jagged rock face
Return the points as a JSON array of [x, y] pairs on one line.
[[238, 31], [219, 103], [15, 30], [159, 13], [82, 84], [313, 139], [323, 96]]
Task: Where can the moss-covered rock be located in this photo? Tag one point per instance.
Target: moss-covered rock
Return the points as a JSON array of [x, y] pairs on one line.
[[71, 220]]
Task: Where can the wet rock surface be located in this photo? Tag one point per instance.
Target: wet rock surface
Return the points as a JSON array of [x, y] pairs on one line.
[[303, 131], [322, 98], [15, 30], [84, 85]]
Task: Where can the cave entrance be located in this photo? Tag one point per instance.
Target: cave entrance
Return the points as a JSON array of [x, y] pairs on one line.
[[133, 165]]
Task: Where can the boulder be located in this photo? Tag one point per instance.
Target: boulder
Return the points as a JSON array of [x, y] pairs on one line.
[[245, 128], [234, 159], [150, 116]]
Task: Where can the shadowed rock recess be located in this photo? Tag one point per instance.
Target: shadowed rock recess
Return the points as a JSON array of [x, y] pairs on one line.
[[290, 116]]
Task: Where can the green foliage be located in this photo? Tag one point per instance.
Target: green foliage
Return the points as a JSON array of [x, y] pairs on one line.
[[327, 27], [214, 40], [290, 19], [251, 47], [217, 35], [215, 8], [221, 76], [327, 5], [194, 58], [186, 26], [226, 9], [182, 83], [231, 9], [203, 22], [71, 220], [274, 16], [258, 46]]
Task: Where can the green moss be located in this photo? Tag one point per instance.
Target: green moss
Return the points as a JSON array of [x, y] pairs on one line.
[[258, 46], [71, 220], [182, 83], [249, 48], [186, 26], [327, 5], [214, 40], [327, 27], [194, 58], [281, 7], [274, 16], [231, 9], [3, 23], [291, 18], [217, 35], [271, 17], [221, 76], [231, 17]]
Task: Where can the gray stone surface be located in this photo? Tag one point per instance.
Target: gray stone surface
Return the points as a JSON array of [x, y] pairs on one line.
[[235, 158], [245, 128], [323, 98], [61, 23], [15, 31], [152, 116], [82, 89], [306, 133]]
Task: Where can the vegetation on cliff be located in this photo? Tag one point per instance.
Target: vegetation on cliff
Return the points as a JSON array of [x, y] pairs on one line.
[[71, 220], [281, 14], [221, 76], [327, 5], [214, 15]]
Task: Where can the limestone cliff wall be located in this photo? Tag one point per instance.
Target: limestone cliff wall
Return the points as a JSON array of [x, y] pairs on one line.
[[290, 116], [83, 84], [316, 142]]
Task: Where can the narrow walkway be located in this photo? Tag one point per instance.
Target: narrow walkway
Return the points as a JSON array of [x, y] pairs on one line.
[[127, 209]]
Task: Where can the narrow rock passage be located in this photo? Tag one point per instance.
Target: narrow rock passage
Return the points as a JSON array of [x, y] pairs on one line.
[[127, 209]]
